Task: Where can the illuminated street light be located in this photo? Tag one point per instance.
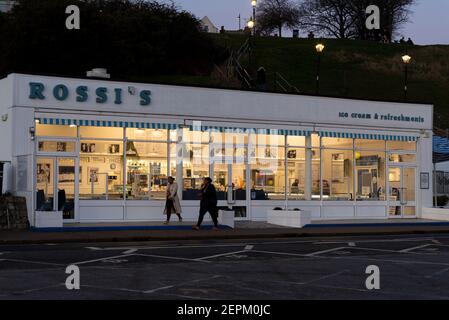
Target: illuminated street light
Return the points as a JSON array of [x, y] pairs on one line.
[[319, 50], [250, 24], [406, 59], [254, 5]]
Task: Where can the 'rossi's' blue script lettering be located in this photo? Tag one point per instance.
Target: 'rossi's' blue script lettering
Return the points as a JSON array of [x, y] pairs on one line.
[[102, 95]]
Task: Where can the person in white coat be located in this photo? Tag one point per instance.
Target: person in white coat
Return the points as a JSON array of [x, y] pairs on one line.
[[172, 205]]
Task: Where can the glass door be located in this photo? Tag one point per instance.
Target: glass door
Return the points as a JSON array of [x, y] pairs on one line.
[[237, 190], [402, 192], [66, 187], [45, 184], [56, 185], [230, 182]]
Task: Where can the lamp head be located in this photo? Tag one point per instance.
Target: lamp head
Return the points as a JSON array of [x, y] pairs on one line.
[[406, 59], [319, 47]]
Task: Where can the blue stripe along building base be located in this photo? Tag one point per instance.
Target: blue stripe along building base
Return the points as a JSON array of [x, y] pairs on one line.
[[126, 228]]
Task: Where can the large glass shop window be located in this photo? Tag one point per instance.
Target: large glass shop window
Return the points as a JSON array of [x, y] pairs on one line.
[[195, 156], [337, 166], [267, 159], [146, 134], [370, 170], [46, 130], [401, 145], [296, 167], [56, 146], [146, 169], [370, 175], [101, 170], [228, 154]]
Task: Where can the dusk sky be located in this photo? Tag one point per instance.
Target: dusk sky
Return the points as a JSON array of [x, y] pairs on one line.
[[429, 22]]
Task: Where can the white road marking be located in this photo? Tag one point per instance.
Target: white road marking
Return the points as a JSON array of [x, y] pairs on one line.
[[373, 249], [436, 241], [130, 251], [415, 248], [106, 288], [168, 257], [115, 261], [377, 241], [325, 277], [317, 253], [282, 253], [221, 255], [182, 283], [152, 290], [249, 247], [391, 260], [35, 262], [438, 273], [195, 246], [159, 289], [351, 244], [101, 259], [364, 290]]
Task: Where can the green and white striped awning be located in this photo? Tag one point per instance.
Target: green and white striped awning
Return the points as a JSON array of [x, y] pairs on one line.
[[367, 136], [151, 125], [161, 125], [107, 123], [282, 132]]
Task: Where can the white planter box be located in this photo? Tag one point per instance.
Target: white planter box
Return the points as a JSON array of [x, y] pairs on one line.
[[226, 218], [48, 219], [293, 219]]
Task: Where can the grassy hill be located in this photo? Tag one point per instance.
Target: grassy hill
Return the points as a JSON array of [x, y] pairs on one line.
[[353, 69]]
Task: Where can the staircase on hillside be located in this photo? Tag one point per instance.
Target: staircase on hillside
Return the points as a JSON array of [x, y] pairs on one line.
[[233, 69]]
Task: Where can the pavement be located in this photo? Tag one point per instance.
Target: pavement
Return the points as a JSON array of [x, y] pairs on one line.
[[412, 267], [243, 230]]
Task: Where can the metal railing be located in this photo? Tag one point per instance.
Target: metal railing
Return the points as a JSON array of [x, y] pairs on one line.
[[283, 84]]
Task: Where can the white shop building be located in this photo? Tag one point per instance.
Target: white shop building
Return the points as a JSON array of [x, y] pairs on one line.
[[101, 151]]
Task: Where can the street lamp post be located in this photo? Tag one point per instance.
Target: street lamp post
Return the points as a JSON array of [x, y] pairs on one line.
[[254, 5], [250, 26], [406, 59], [319, 50]]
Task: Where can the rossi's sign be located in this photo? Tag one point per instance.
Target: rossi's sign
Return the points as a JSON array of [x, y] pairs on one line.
[[61, 92]]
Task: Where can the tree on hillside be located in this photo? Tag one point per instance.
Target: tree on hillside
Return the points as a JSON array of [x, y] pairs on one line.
[[393, 15], [333, 18], [275, 15], [346, 18], [133, 39]]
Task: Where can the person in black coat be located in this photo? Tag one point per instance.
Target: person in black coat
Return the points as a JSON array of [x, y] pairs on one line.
[[208, 203]]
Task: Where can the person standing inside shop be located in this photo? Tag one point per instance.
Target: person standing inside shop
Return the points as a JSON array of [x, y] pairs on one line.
[[208, 203], [172, 205]]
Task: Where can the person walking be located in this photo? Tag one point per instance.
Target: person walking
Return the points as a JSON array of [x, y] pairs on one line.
[[172, 205], [208, 203]]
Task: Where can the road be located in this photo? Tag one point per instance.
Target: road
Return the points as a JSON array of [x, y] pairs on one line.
[[411, 267]]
